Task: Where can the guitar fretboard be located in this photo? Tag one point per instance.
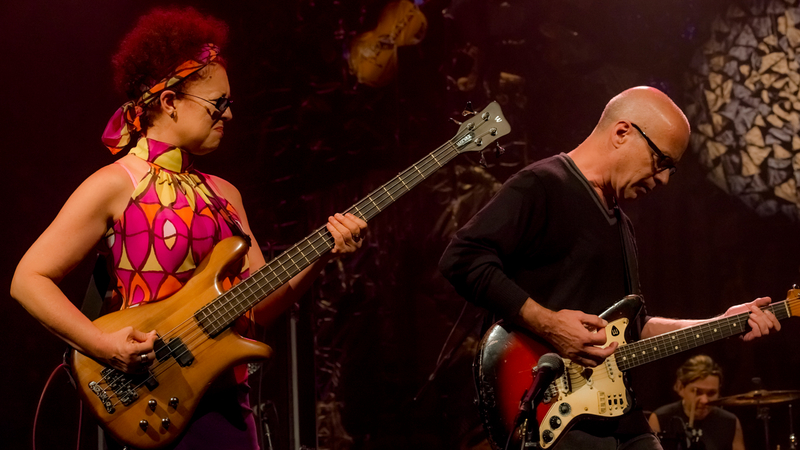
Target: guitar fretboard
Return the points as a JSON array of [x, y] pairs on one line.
[[220, 313], [668, 344]]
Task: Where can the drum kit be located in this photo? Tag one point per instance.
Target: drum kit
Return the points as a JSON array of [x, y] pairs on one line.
[[761, 399]]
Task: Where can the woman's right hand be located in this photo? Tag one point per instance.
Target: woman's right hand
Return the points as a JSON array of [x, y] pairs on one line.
[[123, 349]]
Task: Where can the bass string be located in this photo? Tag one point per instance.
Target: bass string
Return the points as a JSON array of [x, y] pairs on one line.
[[191, 341], [428, 164]]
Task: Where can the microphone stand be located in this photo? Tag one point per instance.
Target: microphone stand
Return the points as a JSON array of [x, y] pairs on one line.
[[763, 412], [549, 367]]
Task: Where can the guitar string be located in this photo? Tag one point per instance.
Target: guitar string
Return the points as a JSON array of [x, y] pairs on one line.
[[685, 342], [682, 339], [302, 252], [688, 338], [314, 244], [575, 377], [381, 191]]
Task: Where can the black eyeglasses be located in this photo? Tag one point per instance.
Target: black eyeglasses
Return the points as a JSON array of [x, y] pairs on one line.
[[222, 104], [664, 161]]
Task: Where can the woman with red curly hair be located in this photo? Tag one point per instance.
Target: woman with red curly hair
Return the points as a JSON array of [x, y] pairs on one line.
[[155, 217]]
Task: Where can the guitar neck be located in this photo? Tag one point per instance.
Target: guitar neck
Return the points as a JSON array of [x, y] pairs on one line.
[[668, 344], [219, 314]]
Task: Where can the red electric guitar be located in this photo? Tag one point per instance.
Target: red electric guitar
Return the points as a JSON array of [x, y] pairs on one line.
[[507, 357]]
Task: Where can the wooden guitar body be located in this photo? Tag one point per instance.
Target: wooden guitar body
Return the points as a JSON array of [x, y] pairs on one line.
[[195, 340], [141, 423]]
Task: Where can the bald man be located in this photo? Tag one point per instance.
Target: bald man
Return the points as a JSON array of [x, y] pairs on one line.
[[553, 248]]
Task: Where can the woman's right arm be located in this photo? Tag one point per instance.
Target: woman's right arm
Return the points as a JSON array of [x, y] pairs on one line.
[[74, 233]]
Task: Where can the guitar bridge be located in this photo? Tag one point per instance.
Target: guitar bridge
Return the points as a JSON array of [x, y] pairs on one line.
[[101, 394], [124, 386]]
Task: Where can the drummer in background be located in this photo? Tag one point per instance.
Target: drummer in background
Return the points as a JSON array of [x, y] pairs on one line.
[[703, 426]]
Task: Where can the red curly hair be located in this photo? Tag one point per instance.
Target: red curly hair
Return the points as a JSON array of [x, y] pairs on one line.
[[162, 39]]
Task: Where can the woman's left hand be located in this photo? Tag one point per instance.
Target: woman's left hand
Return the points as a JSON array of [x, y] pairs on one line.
[[348, 233]]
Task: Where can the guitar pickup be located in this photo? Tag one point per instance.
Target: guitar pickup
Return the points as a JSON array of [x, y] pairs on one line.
[[174, 348]]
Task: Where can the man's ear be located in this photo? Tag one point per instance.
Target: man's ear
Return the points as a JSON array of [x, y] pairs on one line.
[[621, 133]]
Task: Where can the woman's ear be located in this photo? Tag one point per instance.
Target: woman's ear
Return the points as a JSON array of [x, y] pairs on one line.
[[167, 102]]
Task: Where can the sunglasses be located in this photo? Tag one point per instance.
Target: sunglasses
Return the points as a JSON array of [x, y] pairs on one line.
[[664, 162], [222, 104]]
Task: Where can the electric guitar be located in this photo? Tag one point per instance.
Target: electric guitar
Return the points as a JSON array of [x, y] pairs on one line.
[[506, 363], [195, 341]]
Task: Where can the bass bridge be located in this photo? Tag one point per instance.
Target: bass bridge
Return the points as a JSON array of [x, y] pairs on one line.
[[122, 386]]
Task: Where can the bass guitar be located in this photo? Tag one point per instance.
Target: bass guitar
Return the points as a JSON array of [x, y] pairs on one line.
[[195, 340], [505, 367]]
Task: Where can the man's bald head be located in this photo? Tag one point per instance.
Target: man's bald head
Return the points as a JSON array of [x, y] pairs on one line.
[[649, 108], [640, 137]]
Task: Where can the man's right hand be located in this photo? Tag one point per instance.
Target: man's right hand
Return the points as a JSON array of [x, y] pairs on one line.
[[574, 334], [123, 349]]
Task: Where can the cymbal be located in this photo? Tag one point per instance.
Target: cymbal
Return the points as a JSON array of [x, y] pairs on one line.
[[757, 397]]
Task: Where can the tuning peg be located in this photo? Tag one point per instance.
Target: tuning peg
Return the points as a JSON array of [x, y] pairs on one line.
[[456, 122], [482, 161], [468, 110], [499, 151]]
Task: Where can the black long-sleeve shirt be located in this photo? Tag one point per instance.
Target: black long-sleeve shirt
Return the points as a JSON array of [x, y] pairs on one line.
[[545, 235]]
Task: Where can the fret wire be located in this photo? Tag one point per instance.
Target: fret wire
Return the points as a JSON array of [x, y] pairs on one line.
[[411, 169], [629, 356], [408, 173], [277, 269]]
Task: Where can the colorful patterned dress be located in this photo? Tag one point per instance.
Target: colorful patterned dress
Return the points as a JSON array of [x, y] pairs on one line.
[[170, 225]]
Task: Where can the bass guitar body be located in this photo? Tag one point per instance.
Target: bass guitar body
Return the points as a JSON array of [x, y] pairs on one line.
[[196, 342], [504, 371], [152, 409]]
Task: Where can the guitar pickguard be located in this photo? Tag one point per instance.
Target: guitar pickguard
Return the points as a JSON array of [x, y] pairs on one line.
[[599, 391], [506, 362]]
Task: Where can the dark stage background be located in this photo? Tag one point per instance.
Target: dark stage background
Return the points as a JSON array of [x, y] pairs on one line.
[[308, 141]]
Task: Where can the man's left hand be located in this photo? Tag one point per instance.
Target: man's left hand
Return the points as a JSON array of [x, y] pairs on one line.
[[761, 322]]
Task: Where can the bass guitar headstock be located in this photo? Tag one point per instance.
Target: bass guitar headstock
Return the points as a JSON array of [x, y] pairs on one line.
[[480, 130]]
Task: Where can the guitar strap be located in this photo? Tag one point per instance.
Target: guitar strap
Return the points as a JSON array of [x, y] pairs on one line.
[[629, 258], [216, 204], [631, 267], [96, 291]]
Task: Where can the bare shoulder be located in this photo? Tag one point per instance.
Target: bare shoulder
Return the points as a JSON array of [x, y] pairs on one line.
[[108, 181], [107, 190], [226, 189]]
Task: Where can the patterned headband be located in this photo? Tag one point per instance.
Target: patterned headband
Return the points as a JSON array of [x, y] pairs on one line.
[[125, 123]]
